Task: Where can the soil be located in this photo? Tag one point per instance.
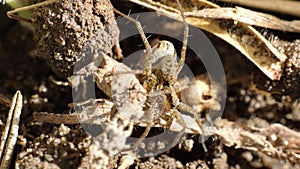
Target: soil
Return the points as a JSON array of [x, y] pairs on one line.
[[33, 67], [77, 23]]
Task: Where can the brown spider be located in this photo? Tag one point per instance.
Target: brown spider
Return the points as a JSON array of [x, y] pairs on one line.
[[160, 79]]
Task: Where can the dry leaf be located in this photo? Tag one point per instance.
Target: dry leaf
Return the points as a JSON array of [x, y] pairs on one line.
[[243, 37]]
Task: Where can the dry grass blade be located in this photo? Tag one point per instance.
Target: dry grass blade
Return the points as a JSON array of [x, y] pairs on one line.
[[288, 7], [248, 17], [243, 37], [9, 136], [98, 112], [12, 14], [53, 118]]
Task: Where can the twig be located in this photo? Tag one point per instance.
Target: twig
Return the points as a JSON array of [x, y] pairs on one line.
[[12, 14], [9, 137], [97, 112]]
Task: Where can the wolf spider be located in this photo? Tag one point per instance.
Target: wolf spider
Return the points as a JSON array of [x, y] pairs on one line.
[[161, 74]]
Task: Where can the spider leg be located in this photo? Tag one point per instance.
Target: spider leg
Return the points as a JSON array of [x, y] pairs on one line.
[[148, 63], [149, 117], [12, 14], [185, 39], [145, 133], [176, 101], [182, 106], [180, 120]]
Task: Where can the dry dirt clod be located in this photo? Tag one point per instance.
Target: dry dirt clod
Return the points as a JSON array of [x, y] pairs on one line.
[[64, 27], [62, 148]]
